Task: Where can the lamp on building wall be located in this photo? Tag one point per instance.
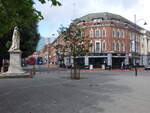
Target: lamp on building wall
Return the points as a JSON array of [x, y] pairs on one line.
[[134, 42]]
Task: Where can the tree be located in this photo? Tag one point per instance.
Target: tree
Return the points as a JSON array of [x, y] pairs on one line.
[[76, 45], [20, 13], [60, 52]]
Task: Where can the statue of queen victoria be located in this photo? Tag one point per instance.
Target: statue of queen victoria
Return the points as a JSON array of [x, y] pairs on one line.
[[15, 40]]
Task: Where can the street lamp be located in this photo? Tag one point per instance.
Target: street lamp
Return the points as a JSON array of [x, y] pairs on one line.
[[135, 43]]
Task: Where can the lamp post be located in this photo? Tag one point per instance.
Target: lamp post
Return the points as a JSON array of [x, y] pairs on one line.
[[135, 43]]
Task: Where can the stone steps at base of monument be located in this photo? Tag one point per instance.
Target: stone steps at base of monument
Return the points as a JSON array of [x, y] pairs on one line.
[[15, 75]]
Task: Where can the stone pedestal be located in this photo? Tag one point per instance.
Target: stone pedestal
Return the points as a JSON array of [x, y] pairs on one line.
[[15, 69], [15, 62]]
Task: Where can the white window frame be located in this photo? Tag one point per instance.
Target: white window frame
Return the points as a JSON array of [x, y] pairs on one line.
[[119, 46], [114, 33], [91, 33], [98, 41], [114, 45], [97, 31], [104, 48], [103, 32], [118, 33]]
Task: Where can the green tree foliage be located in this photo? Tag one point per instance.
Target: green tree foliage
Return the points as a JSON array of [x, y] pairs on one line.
[[76, 44], [20, 13], [54, 2]]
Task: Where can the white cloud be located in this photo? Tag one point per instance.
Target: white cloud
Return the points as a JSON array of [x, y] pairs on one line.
[[70, 9]]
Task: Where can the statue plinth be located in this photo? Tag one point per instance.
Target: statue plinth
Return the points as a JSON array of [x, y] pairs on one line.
[[15, 62], [15, 69]]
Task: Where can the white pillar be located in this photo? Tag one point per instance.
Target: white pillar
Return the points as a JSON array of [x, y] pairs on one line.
[[109, 59], [127, 59], [145, 60], [86, 60]]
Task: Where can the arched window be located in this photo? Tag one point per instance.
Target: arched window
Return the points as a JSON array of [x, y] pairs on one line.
[[97, 33], [113, 33], [122, 34], [118, 33], [114, 46], [91, 33], [100, 33], [104, 46], [97, 46], [122, 46], [118, 46], [103, 33]]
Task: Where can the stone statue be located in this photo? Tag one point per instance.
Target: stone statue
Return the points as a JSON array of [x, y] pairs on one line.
[[15, 40]]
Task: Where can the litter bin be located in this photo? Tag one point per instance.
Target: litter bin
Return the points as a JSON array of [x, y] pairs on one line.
[[91, 66]]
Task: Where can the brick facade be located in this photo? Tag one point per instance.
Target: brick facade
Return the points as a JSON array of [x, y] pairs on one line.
[[113, 39]]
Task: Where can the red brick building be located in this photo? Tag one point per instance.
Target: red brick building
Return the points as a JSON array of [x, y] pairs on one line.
[[115, 40]]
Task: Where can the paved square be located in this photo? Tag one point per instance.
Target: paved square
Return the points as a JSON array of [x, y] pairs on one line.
[[96, 92]]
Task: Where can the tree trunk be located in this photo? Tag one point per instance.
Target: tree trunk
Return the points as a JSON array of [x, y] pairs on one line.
[[75, 73]]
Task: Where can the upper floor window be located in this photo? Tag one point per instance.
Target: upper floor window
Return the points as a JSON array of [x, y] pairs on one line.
[[103, 33], [97, 19], [122, 34], [123, 46], [118, 46], [91, 33], [114, 46], [104, 46], [113, 33], [97, 47], [118, 33], [97, 33]]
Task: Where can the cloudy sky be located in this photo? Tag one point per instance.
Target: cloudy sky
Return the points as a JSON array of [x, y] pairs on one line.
[[71, 9]]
